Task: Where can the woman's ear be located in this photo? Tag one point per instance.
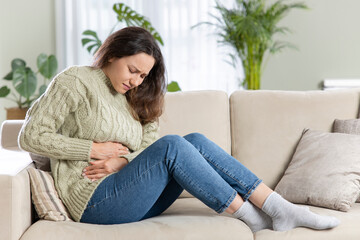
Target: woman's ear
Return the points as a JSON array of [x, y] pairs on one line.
[[111, 60]]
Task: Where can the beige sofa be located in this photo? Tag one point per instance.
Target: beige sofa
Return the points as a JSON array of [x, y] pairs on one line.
[[260, 128]]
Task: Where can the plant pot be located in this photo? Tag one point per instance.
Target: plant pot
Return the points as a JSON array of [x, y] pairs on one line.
[[16, 113]]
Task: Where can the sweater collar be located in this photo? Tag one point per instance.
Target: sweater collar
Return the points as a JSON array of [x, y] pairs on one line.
[[103, 78]]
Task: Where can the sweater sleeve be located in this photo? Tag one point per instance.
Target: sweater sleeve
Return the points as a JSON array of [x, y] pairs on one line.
[[39, 133], [150, 135]]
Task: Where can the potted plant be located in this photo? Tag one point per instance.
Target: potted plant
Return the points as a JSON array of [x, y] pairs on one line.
[[25, 82], [131, 18], [249, 29]]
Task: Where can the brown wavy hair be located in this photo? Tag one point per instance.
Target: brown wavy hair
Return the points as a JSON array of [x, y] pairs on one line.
[[147, 99]]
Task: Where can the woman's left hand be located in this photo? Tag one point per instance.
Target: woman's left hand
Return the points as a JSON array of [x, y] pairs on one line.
[[101, 168]]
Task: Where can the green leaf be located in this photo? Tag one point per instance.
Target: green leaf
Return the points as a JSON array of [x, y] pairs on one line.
[[84, 41], [42, 89], [47, 65], [24, 81], [9, 76], [94, 46], [92, 41], [249, 27], [4, 91], [90, 32], [132, 18], [173, 87], [16, 63]]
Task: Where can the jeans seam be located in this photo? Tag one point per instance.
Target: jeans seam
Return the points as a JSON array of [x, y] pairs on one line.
[[253, 187], [225, 172], [227, 204], [193, 183]]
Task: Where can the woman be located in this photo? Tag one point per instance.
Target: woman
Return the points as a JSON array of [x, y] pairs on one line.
[[99, 127]]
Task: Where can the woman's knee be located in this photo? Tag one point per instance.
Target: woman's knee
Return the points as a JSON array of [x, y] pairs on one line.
[[171, 139], [195, 137]]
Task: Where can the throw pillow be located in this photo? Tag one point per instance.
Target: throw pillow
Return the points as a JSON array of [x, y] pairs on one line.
[[45, 198], [41, 162], [324, 171], [349, 126]]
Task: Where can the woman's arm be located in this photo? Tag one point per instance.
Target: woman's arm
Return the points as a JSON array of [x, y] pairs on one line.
[[39, 132], [102, 168]]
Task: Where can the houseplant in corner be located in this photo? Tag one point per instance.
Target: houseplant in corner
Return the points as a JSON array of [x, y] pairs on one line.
[[249, 30], [25, 82]]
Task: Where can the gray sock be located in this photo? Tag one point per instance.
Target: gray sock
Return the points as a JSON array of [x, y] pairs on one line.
[[253, 217], [286, 216]]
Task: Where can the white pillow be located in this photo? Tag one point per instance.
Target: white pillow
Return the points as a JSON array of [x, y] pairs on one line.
[[45, 197]]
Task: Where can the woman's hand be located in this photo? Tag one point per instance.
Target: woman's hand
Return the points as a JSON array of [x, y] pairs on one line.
[[107, 150], [101, 168]]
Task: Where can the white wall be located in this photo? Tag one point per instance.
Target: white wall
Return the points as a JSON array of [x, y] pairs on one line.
[[27, 28], [328, 38], [327, 35]]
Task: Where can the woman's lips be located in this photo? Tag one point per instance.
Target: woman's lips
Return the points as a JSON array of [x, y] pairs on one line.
[[126, 86]]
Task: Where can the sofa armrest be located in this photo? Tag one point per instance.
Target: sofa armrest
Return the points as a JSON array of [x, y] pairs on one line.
[[9, 134], [15, 205]]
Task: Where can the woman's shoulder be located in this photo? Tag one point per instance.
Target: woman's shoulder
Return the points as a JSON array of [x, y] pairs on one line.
[[74, 75]]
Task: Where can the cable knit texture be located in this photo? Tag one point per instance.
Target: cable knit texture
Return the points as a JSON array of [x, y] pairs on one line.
[[80, 106]]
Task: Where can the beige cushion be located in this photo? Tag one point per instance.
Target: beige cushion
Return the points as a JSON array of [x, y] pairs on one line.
[[266, 125], [45, 198], [41, 162], [349, 126], [187, 218], [205, 112], [324, 171]]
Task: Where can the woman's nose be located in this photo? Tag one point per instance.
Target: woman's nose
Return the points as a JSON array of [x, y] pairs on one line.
[[136, 81]]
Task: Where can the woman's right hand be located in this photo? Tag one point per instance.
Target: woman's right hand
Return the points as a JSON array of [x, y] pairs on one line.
[[107, 150]]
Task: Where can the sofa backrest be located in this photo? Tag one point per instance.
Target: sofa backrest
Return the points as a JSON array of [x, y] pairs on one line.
[[267, 125], [206, 112]]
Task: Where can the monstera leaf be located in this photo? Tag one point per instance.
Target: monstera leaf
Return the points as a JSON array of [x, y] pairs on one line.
[[16, 63], [92, 41], [126, 15], [4, 91], [132, 18], [24, 81], [47, 65]]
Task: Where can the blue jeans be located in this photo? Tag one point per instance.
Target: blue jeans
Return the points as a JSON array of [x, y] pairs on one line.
[[150, 183]]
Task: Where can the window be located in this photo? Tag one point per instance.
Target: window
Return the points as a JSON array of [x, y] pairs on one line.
[[193, 57]]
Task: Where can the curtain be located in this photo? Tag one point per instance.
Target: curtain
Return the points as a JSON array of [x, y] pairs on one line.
[[193, 56]]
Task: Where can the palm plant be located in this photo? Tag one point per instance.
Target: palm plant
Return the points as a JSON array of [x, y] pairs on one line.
[[249, 29]]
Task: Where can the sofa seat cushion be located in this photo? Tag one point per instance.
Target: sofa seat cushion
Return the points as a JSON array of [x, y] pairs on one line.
[[187, 218], [348, 229]]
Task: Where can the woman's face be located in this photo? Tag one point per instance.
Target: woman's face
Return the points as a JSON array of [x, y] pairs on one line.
[[128, 72]]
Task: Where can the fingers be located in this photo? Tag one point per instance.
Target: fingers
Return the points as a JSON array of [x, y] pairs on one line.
[[95, 171]]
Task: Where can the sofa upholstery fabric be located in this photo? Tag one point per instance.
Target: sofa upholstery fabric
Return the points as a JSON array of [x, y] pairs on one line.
[[267, 125], [265, 129], [324, 171]]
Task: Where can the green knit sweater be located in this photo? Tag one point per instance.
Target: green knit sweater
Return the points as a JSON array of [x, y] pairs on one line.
[[80, 106]]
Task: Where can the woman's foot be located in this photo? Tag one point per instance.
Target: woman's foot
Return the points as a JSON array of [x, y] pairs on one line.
[[253, 217], [286, 216]]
